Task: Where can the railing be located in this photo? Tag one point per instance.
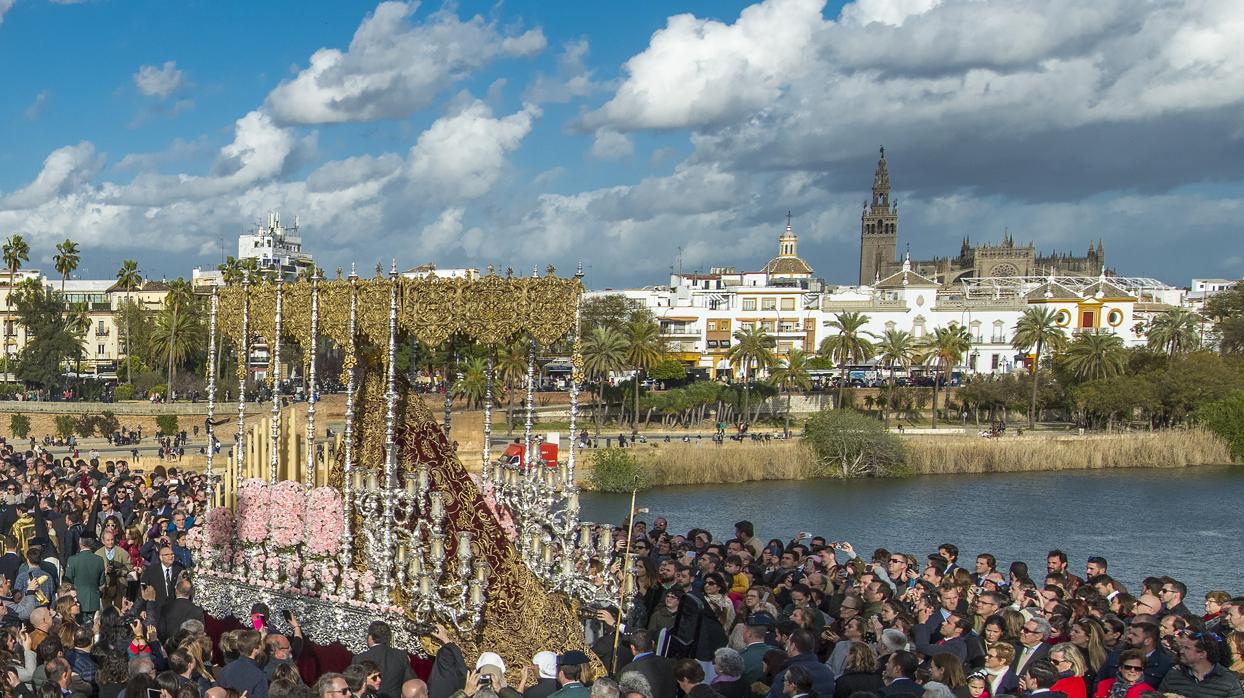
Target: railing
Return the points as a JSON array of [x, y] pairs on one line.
[[835, 306]]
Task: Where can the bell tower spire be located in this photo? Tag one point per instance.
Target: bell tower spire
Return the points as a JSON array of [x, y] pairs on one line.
[[879, 228]]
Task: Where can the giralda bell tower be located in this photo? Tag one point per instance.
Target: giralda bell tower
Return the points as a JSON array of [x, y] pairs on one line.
[[878, 228]]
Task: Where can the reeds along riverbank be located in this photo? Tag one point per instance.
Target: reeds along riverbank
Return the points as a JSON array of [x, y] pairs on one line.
[[690, 464], [1159, 449]]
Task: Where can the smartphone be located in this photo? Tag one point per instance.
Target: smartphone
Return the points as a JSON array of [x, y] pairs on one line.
[[289, 617], [132, 589]]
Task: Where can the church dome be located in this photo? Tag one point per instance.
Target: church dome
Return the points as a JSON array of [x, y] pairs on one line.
[[788, 266]]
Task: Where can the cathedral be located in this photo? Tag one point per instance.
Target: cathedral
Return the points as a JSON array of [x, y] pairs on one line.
[[879, 256]]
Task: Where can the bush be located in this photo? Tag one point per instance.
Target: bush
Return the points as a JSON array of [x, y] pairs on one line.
[[107, 423], [167, 424], [64, 425], [1225, 418], [668, 370], [8, 391], [124, 392], [85, 425], [618, 470], [158, 389], [19, 424], [847, 444]]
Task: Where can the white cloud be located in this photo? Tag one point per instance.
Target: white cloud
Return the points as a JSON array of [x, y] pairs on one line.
[[5, 6], [573, 77], [178, 150], [159, 82], [697, 72], [462, 155], [36, 108], [394, 66], [64, 171], [611, 145]]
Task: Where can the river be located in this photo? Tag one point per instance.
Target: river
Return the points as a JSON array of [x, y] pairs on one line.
[[1185, 523]]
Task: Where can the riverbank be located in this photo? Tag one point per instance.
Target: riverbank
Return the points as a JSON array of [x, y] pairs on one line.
[[707, 463]]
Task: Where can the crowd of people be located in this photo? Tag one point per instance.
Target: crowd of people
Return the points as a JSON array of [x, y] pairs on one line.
[[97, 587]]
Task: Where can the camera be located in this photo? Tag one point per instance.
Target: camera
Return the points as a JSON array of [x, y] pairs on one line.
[[485, 680]]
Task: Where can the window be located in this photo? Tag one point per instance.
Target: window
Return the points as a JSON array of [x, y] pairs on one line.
[[747, 326], [766, 325], [788, 304], [712, 326], [100, 350], [749, 304], [768, 304], [712, 344]]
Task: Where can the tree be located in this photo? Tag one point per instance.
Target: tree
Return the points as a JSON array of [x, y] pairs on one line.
[[946, 347], [1226, 310], [16, 251], [1224, 417], [1174, 331], [610, 310], [473, 383], [847, 444], [65, 260], [668, 370], [1037, 329], [792, 374], [848, 346], [896, 348], [130, 279], [644, 348], [54, 332], [752, 347], [604, 352], [176, 319], [511, 369], [1096, 355]]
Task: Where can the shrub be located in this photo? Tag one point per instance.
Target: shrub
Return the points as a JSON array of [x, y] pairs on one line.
[[8, 391], [1225, 418], [167, 423], [85, 425], [107, 423], [847, 444], [158, 389], [618, 470], [19, 424], [124, 392], [64, 425]]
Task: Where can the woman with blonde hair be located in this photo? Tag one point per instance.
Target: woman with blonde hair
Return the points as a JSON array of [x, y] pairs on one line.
[[946, 669], [1067, 659], [860, 673], [1089, 636]]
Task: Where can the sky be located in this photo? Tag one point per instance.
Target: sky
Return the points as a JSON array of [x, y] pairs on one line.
[[632, 137]]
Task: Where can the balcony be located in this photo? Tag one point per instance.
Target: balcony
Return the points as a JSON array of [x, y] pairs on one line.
[[103, 332]]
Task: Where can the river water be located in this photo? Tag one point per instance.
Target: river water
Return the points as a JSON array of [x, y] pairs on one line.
[[1185, 523]]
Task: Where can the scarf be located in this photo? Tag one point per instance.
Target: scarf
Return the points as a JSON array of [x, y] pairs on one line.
[[1120, 688]]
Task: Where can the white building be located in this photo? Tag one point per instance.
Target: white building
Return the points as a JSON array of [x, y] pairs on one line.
[[699, 313], [1202, 289], [275, 247]]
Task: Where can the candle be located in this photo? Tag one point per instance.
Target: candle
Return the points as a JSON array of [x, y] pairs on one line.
[[567, 565], [585, 537], [438, 507], [477, 593], [481, 571], [548, 552], [401, 553], [357, 477], [425, 585], [422, 475], [415, 568], [438, 547], [605, 541], [411, 490], [464, 545], [371, 480], [572, 502]]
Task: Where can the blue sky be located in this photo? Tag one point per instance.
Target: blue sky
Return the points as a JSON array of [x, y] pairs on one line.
[[621, 134]]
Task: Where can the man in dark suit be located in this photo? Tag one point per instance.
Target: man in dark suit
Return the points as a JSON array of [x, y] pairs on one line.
[[163, 576], [801, 650], [177, 611], [1032, 644], [85, 570], [10, 560], [658, 670], [243, 674], [953, 629], [1143, 636], [898, 675], [1039, 678], [394, 664]]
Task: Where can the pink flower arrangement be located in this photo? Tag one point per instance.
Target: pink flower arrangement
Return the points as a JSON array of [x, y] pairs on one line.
[[253, 502], [287, 512], [501, 514], [325, 522], [218, 527], [195, 539]]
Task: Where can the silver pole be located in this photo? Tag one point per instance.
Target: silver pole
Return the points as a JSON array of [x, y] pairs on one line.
[[312, 388], [348, 460], [390, 445], [275, 348], [211, 393], [485, 474], [244, 361]]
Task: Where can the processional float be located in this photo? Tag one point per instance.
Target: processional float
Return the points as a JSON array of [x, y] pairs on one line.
[[392, 527]]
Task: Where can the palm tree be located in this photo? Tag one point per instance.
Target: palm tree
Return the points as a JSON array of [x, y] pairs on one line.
[[473, 383], [849, 345], [793, 374], [644, 349], [1174, 331], [66, 260], [896, 348], [1096, 355], [16, 251], [1037, 328], [176, 306], [604, 352], [130, 279], [311, 272], [230, 271], [946, 347], [511, 369], [753, 346]]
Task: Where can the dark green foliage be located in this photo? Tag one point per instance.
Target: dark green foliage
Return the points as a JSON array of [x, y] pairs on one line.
[[618, 470], [64, 425], [19, 424], [167, 423], [848, 444], [1225, 417]]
